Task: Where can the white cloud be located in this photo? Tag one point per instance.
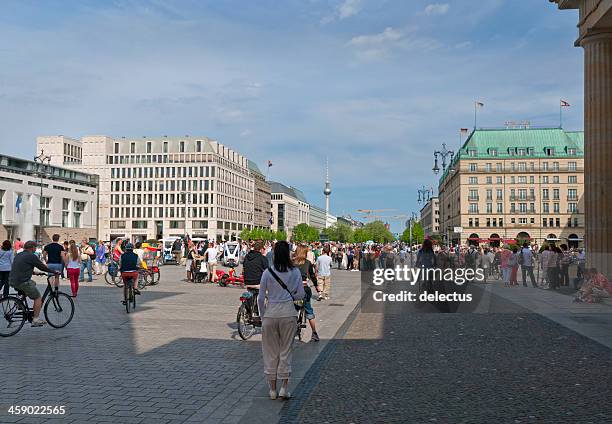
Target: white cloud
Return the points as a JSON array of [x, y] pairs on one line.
[[379, 46], [344, 10], [388, 35], [349, 8], [436, 9], [463, 45]]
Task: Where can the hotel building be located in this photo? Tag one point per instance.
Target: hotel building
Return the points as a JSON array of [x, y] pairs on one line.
[[522, 184], [262, 204], [68, 205], [152, 188]]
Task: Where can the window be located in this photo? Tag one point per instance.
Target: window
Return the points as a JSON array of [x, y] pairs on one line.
[[558, 222], [499, 194], [545, 179], [493, 152], [571, 166], [165, 147], [556, 194], [500, 208], [489, 180], [522, 166], [571, 151], [572, 207], [556, 208], [132, 147], [182, 147], [572, 179], [116, 148], [522, 221], [488, 167], [522, 179], [148, 147], [473, 207], [555, 179], [472, 180], [549, 151], [489, 194], [498, 180], [555, 166], [498, 167], [473, 195], [489, 207], [472, 152], [522, 152], [544, 222], [572, 194], [544, 166], [199, 148], [546, 207], [473, 167]]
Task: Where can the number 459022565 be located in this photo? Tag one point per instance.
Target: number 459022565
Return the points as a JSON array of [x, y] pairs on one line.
[[36, 410]]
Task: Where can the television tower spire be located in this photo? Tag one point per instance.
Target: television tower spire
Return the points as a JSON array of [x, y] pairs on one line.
[[327, 190]]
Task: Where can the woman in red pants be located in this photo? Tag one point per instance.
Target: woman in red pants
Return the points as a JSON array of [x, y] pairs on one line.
[[73, 266]]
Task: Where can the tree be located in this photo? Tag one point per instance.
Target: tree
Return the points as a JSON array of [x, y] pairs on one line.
[[378, 232], [339, 232], [280, 235], [304, 232], [245, 234], [418, 235]]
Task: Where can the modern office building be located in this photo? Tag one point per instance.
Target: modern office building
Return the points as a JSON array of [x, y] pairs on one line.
[[262, 216], [152, 188], [524, 184], [67, 206], [289, 207], [318, 217], [430, 217]]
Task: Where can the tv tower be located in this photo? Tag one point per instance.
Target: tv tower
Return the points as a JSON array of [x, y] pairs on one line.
[[327, 190]]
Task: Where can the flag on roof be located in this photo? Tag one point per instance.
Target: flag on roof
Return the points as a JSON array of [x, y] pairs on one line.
[[479, 104], [564, 103], [464, 130], [269, 164], [18, 203]]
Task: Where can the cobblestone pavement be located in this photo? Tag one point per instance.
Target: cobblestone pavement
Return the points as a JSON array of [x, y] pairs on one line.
[[177, 359], [511, 367]]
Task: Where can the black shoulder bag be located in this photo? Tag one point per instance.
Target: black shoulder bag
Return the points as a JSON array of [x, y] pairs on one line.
[[298, 304]]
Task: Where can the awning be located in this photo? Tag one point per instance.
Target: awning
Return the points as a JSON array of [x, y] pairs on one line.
[[575, 239]]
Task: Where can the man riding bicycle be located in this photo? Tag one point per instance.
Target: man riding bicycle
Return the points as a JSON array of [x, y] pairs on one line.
[[255, 263], [20, 278], [129, 263]]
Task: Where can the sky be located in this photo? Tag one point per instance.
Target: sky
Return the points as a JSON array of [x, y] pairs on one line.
[[375, 85]]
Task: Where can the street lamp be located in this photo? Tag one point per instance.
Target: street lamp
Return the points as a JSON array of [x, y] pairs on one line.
[[425, 194], [444, 153], [40, 160], [185, 195]]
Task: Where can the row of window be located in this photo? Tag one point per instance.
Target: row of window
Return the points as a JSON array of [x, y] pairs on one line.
[[572, 207], [523, 167], [546, 222], [164, 172], [523, 151], [523, 194], [160, 212], [522, 179]]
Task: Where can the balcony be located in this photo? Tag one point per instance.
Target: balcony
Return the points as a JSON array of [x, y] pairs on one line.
[[572, 198], [573, 211], [522, 198], [473, 198]]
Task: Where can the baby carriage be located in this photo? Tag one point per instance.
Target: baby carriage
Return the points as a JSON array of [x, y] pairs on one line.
[[198, 271]]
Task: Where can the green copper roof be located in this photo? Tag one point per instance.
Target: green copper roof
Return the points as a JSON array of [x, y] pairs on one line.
[[253, 167], [491, 144]]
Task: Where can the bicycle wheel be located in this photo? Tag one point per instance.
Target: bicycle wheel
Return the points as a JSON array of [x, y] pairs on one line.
[[245, 328], [13, 315], [155, 276], [59, 310], [133, 295], [127, 299], [300, 319], [144, 281]]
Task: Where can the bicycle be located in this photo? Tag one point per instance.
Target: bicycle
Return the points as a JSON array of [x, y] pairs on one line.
[[58, 308], [113, 275], [129, 298], [301, 323]]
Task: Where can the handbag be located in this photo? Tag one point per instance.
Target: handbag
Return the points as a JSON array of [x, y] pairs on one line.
[[297, 304]]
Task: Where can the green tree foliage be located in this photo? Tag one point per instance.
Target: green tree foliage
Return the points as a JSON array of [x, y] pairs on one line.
[[375, 231], [280, 235], [340, 232], [304, 232], [418, 235]]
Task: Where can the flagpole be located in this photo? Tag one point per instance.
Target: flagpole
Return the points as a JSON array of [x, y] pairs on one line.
[[475, 109], [560, 115]]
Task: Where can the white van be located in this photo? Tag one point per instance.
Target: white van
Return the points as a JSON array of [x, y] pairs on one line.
[[231, 253]]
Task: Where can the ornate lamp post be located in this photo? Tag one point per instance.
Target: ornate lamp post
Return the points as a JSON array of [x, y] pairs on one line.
[[425, 194], [41, 160], [443, 154]]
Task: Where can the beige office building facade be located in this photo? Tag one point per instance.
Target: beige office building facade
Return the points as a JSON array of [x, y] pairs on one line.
[[152, 188]]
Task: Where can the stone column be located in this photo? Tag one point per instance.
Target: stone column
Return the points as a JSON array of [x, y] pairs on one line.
[[598, 148]]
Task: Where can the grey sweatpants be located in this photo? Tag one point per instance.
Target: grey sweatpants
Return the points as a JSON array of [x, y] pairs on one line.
[[277, 346]]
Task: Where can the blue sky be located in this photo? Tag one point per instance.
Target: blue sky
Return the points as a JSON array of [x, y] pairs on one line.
[[376, 85]]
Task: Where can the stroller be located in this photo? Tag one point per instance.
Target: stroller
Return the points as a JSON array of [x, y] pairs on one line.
[[199, 271]]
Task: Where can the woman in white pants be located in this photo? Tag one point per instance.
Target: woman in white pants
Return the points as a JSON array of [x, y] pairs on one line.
[[280, 285]]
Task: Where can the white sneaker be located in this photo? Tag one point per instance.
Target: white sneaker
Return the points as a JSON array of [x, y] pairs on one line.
[[272, 394], [284, 393], [38, 322]]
